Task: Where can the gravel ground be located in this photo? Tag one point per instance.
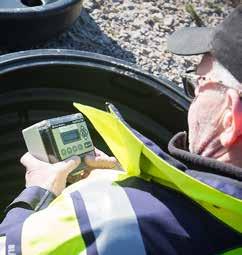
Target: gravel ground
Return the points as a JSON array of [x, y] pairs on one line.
[[137, 30]]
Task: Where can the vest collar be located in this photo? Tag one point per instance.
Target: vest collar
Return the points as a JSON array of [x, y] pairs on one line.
[[178, 148]]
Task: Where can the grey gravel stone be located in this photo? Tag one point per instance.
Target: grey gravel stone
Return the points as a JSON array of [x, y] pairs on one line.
[[168, 21], [137, 30]]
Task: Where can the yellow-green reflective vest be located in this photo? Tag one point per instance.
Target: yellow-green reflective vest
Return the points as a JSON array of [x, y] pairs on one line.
[[137, 160], [129, 150]]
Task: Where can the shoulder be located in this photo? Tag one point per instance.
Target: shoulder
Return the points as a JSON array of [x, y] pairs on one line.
[[144, 216], [106, 217], [132, 210]]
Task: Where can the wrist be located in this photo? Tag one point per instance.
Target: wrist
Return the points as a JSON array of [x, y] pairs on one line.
[[33, 198]]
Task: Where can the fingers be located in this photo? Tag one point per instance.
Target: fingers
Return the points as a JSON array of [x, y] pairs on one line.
[[69, 164], [100, 161]]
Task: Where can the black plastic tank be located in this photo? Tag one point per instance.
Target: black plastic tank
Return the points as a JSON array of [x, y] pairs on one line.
[[40, 84], [27, 22]]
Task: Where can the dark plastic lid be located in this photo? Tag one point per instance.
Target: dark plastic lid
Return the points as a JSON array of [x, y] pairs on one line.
[[24, 23], [42, 84]]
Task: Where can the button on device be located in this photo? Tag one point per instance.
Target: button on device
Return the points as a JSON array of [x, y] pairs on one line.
[[63, 152], [69, 150], [87, 144], [74, 148], [80, 147], [84, 132]]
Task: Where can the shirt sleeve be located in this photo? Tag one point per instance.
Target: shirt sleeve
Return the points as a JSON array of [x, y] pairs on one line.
[[30, 200]]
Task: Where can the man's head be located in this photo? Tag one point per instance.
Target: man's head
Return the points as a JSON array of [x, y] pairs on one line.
[[215, 115]]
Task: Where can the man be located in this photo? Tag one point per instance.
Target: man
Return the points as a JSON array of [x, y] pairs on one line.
[[103, 215]]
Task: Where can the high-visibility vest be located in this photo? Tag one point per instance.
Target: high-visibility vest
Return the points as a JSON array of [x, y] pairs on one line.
[[38, 231], [138, 160], [129, 150], [92, 216]]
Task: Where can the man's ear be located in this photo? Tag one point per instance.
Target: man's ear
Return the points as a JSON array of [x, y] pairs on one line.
[[232, 118]]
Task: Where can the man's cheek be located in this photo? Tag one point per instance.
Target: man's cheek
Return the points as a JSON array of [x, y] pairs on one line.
[[193, 127], [193, 116], [194, 124]]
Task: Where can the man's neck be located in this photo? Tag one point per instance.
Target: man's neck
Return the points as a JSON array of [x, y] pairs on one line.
[[215, 150], [178, 148]]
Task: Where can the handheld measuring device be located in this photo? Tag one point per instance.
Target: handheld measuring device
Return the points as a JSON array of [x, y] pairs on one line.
[[57, 139]]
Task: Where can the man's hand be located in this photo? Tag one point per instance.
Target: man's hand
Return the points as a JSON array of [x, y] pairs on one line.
[[99, 161], [53, 177], [48, 176]]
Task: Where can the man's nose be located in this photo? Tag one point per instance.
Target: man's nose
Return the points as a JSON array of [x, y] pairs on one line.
[[206, 64]]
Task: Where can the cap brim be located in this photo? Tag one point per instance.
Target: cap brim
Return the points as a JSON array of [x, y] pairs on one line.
[[190, 41]]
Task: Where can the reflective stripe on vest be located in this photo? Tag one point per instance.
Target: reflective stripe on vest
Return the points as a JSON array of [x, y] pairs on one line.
[[2, 245], [93, 217], [110, 213], [54, 230], [139, 160]]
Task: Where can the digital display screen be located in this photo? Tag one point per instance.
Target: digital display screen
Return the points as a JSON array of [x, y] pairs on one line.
[[70, 136]]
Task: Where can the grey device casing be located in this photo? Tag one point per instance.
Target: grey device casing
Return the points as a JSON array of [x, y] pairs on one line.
[[59, 138]]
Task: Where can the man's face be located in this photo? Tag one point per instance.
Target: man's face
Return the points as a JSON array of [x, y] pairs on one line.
[[204, 116]]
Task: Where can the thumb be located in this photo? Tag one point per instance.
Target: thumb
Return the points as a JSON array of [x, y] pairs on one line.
[[68, 165], [30, 161]]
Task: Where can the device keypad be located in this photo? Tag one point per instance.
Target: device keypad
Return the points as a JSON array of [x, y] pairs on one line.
[[72, 140], [69, 150]]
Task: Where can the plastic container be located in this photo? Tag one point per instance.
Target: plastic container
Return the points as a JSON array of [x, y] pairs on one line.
[[27, 22], [41, 84]]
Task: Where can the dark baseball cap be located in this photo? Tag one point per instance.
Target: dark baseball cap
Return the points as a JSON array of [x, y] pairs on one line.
[[224, 42]]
